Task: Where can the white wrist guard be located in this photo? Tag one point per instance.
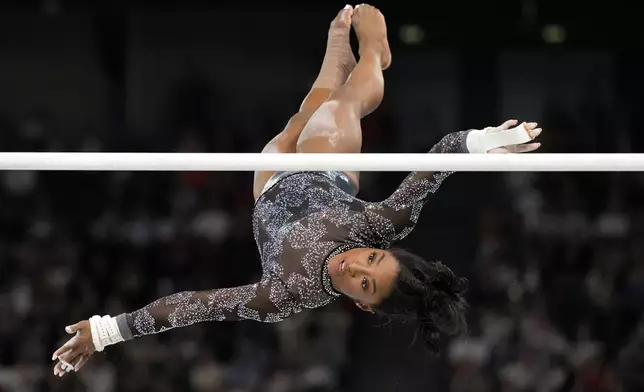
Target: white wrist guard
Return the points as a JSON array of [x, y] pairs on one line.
[[105, 332], [480, 141]]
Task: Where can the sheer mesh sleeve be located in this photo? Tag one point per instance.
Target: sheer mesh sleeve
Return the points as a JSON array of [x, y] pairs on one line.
[[395, 217], [267, 301]]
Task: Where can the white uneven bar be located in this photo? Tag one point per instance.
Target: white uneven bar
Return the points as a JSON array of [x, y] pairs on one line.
[[534, 162]]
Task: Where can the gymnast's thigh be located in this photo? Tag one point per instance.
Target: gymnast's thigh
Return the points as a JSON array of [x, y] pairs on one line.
[[333, 129]]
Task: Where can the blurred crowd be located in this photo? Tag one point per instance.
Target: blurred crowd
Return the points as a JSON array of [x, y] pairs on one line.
[[557, 284]]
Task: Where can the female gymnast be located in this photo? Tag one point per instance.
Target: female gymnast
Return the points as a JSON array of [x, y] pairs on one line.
[[316, 240]]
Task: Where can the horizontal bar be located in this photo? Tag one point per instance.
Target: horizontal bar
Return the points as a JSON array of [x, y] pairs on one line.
[[71, 161]]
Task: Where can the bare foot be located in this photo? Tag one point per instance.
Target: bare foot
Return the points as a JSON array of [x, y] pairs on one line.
[[371, 29], [339, 37]]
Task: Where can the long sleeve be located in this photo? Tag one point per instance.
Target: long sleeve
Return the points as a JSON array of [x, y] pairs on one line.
[[267, 301], [395, 217]]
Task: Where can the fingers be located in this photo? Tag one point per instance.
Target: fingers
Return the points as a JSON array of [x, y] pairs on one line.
[[81, 362], [72, 329], [529, 126], [527, 147], [59, 371], [69, 361], [65, 355], [532, 129], [70, 357], [499, 150], [516, 149], [63, 367], [63, 349], [507, 124], [533, 133], [70, 345]]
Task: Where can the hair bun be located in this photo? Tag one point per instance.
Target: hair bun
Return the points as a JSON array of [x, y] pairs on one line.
[[444, 303], [445, 280], [430, 293]]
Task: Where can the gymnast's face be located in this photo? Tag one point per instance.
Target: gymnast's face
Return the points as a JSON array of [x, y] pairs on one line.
[[365, 275]]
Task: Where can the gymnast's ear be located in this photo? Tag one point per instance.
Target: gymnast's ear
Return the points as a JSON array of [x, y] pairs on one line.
[[363, 307]]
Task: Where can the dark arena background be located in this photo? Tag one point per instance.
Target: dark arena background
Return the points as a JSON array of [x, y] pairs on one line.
[[555, 260]]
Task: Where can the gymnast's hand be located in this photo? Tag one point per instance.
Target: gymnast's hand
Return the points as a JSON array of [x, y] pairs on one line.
[[530, 128], [73, 354]]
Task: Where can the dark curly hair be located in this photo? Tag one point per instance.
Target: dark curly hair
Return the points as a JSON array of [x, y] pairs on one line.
[[428, 293]]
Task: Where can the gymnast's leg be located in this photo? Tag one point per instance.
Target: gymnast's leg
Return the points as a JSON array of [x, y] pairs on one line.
[[335, 126], [337, 65]]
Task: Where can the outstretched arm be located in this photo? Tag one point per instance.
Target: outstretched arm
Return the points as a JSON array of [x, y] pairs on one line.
[[395, 217], [250, 302], [267, 301]]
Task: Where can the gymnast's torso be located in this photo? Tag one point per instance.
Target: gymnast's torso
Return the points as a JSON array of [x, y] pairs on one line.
[[306, 218], [300, 222]]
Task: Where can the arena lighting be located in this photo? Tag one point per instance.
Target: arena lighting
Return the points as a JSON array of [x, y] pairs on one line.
[[553, 34], [531, 162], [411, 34]]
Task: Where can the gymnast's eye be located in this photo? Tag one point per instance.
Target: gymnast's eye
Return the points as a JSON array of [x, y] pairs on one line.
[[372, 257], [365, 284]]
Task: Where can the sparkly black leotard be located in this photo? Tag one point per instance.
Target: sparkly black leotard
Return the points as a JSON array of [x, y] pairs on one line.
[[299, 225]]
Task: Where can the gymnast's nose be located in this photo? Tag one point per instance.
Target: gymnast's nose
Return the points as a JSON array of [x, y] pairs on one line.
[[356, 269]]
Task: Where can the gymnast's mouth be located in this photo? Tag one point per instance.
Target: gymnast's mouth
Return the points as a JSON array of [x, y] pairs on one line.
[[341, 267]]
